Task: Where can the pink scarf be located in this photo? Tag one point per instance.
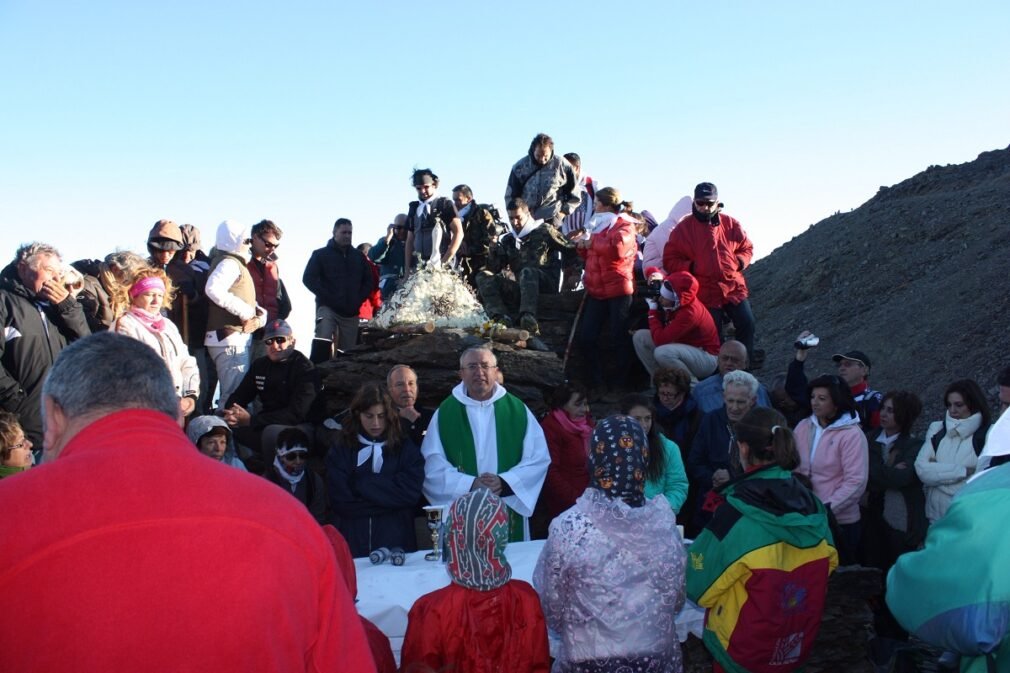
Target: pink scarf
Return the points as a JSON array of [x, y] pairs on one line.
[[155, 323], [583, 427]]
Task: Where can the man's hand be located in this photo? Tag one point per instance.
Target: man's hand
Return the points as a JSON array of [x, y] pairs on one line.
[[53, 291], [187, 405], [719, 477], [492, 482], [236, 416], [390, 230], [251, 325], [802, 353]]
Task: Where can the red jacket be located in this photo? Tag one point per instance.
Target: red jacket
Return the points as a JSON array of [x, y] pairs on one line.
[[142, 554], [715, 255], [610, 261], [371, 306], [690, 324], [462, 629], [568, 473], [266, 279]]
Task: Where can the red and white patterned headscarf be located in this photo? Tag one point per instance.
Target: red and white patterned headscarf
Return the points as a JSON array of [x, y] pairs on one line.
[[476, 534]]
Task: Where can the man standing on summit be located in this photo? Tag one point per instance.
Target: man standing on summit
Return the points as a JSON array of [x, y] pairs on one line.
[[546, 182], [341, 278], [713, 247]]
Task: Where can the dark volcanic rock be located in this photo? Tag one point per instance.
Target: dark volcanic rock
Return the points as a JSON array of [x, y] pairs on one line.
[[916, 278]]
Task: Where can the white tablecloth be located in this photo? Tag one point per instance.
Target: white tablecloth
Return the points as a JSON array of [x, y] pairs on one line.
[[386, 592]]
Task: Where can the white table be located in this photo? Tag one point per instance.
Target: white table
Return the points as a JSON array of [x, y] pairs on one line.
[[387, 592]]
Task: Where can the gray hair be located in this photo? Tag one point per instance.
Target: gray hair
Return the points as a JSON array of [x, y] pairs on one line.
[[743, 379], [29, 253], [108, 372], [396, 368], [474, 349]]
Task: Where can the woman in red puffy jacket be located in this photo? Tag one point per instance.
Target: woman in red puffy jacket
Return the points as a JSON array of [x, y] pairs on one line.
[[609, 255]]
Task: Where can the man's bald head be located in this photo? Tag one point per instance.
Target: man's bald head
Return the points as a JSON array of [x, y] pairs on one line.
[[732, 356]]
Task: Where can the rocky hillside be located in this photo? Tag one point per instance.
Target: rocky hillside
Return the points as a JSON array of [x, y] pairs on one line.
[[918, 278]]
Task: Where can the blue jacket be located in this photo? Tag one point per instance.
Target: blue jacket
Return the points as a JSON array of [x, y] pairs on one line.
[[340, 279]]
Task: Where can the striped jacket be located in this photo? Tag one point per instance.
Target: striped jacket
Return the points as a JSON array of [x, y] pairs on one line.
[[761, 567]]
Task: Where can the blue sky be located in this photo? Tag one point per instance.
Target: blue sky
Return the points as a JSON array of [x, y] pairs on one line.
[[117, 114]]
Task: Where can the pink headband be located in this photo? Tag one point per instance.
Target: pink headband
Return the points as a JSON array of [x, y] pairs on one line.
[[145, 284]]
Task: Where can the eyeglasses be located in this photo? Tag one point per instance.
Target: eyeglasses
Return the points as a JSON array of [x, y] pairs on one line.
[[482, 366], [20, 445], [280, 341], [267, 244], [292, 456]]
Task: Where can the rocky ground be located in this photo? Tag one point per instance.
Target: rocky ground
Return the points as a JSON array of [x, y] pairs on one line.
[[917, 278]]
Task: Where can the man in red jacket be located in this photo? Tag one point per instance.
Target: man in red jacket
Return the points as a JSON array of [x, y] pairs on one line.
[[142, 555], [681, 333], [715, 249]]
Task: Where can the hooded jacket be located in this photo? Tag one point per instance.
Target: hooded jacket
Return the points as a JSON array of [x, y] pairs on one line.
[[610, 260], [690, 324], [34, 333], [836, 459], [547, 189], [761, 567], [201, 425], [230, 288], [716, 254]]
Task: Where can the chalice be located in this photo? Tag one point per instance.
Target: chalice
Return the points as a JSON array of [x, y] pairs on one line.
[[435, 523]]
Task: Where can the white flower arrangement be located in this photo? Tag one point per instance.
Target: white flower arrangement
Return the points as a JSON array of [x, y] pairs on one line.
[[436, 294]]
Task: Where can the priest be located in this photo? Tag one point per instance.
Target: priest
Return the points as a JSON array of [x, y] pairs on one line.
[[484, 437]]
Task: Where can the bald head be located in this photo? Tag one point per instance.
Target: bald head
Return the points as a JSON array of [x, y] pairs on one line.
[[732, 356]]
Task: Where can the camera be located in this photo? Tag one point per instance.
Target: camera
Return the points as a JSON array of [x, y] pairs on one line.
[[652, 291], [809, 341]]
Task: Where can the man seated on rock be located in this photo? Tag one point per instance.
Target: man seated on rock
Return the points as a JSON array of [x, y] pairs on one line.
[[531, 251], [681, 333], [853, 368], [284, 383], [401, 383], [708, 393], [484, 437]]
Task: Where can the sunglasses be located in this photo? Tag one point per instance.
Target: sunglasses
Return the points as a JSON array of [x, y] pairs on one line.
[[280, 341], [268, 244], [704, 202]]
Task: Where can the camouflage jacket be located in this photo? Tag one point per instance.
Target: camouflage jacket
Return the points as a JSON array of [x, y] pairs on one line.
[[540, 248], [480, 229]]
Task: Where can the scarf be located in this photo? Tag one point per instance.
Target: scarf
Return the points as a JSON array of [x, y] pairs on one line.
[[583, 427], [372, 449], [477, 532], [528, 227], [600, 222], [292, 480], [154, 323], [617, 458]]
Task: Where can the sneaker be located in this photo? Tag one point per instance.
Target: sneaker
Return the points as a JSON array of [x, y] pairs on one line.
[[529, 323]]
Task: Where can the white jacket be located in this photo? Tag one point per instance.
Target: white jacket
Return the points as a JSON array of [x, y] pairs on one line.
[[652, 255], [168, 344], [944, 472]]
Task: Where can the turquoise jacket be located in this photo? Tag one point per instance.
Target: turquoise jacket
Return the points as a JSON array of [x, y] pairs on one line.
[[673, 485], [955, 592]]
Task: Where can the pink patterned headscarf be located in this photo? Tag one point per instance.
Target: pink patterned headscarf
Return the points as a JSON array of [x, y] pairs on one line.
[[476, 534]]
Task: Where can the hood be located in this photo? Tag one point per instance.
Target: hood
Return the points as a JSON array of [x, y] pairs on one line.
[[686, 286], [344, 559], [165, 235], [11, 281], [459, 392], [201, 425], [774, 499], [851, 419], [232, 237]]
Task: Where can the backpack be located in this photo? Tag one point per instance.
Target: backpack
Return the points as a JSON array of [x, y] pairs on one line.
[[977, 439], [482, 226]]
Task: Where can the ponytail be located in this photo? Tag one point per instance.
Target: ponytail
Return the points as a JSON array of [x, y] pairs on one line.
[[769, 438]]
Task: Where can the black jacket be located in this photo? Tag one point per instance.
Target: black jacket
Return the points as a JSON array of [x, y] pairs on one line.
[[33, 335], [341, 279], [309, 491], [884, 476], [286, 390]]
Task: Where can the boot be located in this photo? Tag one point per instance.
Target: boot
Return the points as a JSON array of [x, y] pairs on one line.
[[322, 351], [529, 323]]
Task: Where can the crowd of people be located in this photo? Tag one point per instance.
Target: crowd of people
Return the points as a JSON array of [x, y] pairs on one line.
[[776, 488]]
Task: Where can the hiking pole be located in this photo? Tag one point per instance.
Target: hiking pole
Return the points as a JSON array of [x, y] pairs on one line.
[[571, 337]]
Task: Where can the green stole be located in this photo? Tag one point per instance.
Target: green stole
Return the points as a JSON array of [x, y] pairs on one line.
[[510, 429]]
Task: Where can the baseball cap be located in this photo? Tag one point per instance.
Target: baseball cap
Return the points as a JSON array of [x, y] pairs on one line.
[[277, 328], [858, 356]]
